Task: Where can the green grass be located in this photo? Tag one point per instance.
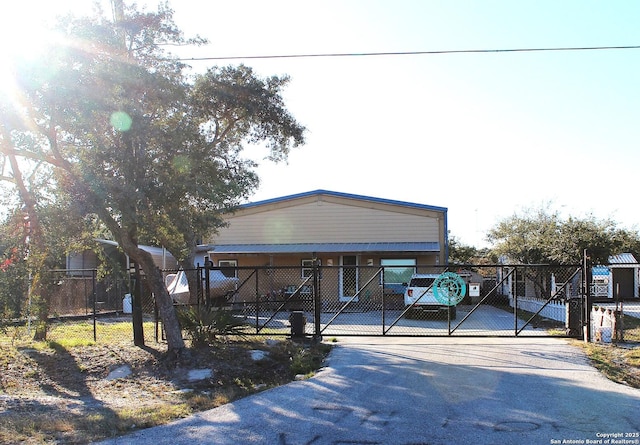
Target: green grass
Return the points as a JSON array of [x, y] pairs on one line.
[[79, 333]]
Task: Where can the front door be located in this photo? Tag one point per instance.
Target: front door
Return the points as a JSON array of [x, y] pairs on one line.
[[348, 277]]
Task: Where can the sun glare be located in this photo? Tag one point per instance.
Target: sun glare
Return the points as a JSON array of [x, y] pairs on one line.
[[26, 31], [23, 36]]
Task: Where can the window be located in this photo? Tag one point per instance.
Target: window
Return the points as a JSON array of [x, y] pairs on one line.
[[229, 268], [398, 271], [307, 268]]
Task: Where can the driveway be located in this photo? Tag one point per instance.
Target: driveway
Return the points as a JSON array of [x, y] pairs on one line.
[[426, 391], [485, 320]]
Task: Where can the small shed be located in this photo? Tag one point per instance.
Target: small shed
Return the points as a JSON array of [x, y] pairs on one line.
[[619, 280]]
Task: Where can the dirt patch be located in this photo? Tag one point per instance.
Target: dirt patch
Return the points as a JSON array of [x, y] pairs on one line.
[[52, 394]]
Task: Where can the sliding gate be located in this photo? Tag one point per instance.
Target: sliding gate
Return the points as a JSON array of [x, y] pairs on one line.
[[497, 300]]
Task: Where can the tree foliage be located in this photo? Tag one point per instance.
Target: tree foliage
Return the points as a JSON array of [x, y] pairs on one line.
[[542, 236], [13, 268], [154, 154], [460, 253]]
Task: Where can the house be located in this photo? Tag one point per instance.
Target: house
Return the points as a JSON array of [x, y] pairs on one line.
[[620, 279], [350, 232]]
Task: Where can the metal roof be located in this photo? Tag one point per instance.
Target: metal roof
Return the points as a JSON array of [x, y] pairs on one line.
[[600, 270], [328, 247], [343, 195], [623, 258]]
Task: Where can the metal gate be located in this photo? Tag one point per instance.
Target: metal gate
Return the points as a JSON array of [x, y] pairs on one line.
[[498, 300]]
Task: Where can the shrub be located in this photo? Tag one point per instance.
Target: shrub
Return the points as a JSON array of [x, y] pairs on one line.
[[205, 326]]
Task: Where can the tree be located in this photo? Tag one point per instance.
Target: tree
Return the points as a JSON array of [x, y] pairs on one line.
[[229, 107], [541, 236], [36, 234], [36, 252], [13, 269], [135, 143], [460, 254]]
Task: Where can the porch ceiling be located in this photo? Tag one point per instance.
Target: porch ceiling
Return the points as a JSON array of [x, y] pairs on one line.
[[328, 247]]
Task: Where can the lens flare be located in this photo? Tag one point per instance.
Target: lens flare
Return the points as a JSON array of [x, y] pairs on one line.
[[121, 121]]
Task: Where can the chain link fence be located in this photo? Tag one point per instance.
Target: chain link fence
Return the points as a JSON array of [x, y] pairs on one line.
[[364, 300], [321, 301], [84, 307]]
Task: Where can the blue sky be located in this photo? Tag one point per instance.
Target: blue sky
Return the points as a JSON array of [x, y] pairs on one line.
[[485, 135]]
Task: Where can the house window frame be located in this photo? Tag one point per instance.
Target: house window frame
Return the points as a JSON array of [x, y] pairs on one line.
[[306, 267], [225, 265]]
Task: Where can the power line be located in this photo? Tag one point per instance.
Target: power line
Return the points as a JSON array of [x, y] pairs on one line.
[[414, 53]]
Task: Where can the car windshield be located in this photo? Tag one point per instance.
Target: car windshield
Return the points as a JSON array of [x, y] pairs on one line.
[[422, 282]]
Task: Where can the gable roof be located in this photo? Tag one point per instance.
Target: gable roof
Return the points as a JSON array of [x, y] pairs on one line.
[[328, 221], [623, 258], [342, 195]]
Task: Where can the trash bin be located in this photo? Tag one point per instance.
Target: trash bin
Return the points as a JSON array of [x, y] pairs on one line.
[[298, 322], [126, 304]]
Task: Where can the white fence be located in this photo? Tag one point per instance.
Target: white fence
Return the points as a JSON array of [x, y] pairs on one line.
[[554, 310]]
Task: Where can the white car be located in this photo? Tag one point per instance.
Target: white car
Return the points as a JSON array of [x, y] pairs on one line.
[[420, 292]]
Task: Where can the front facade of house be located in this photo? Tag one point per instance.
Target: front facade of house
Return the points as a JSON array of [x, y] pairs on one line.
[[338, 229]]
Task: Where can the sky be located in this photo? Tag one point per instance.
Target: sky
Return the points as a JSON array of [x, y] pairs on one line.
[[486, 135]]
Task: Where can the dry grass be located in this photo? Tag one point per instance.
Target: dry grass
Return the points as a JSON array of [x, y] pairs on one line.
[[620, 364], [56, 392]]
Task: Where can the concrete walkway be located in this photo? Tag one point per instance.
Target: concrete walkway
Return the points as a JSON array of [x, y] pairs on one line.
[[435, 391]]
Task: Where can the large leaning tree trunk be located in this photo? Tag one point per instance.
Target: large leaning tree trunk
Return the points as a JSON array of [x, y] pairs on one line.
[[39, 292], [156, 284], [125, 238]]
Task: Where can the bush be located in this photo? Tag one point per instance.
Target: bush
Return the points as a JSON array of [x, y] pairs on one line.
[[307, 361], [204, 326]]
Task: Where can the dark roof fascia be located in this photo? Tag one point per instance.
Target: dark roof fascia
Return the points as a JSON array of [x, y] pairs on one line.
[[342, 195]]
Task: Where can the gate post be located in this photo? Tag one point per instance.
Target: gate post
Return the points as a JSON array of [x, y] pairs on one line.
[[94, 277], [586, 270], [514, 293], [317, 337], [207, 285]]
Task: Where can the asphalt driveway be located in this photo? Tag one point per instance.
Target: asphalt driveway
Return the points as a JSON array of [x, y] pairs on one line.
[[427, 391]]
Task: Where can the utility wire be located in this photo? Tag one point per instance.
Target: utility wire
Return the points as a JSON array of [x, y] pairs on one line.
[[415, 53]]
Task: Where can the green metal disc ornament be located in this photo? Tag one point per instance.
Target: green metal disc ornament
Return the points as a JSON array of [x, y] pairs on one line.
[[449, 288]]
